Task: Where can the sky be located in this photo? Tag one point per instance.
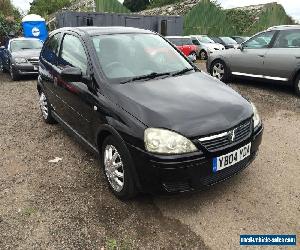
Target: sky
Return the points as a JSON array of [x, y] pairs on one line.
[[292, 7]]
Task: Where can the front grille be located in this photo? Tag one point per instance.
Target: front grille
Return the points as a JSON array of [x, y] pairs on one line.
[[34, 61], [228, 138]]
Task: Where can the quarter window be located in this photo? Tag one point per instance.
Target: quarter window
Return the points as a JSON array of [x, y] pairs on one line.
[[288, 39], [73, 53], [260, 41], [51, 47]]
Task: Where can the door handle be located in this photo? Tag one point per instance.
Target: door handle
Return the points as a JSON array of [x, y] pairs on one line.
[[261, 55], [297, 57]]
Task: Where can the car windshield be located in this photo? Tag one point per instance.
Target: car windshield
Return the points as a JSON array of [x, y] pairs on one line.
[[125, 56], [18, 45], [205, 39], [228, 40]]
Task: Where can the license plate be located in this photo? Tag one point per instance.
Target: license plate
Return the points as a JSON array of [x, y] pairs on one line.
[[231, 158]]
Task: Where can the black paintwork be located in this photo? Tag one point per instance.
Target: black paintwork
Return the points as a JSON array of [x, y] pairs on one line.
[[193, 104]]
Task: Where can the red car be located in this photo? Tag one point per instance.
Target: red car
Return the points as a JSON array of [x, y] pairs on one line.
[[185, 44]]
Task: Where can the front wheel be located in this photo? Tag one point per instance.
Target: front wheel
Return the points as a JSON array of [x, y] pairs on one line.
[[220, 71], [117, 165], [1, 66], [13, 74], [297, 85]]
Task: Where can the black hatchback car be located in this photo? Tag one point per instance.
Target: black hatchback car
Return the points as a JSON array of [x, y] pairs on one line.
[[159, 124]]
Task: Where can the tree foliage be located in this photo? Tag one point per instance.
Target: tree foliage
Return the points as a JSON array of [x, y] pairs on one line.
[[111, 6], [10, 18], [136, 5], [46, 7]]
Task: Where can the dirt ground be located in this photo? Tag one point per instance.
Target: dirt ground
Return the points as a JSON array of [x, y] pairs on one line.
[[67, 205]]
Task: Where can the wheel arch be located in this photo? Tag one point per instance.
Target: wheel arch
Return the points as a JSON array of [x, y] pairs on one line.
[[102, 133]]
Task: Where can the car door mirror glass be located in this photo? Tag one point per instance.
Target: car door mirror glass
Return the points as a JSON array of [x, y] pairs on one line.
[[71, 74]]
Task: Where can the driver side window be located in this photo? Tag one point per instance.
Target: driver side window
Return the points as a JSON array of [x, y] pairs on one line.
[[73, 53], [260, 41]]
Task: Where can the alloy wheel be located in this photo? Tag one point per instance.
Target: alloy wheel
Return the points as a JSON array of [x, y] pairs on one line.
[[114, 168], [218, 71], [44, 106]]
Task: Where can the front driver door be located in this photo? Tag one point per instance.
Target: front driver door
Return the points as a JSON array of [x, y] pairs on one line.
[[249, 60]]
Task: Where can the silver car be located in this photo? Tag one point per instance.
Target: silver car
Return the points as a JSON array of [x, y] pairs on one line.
[[206, 45], [273, 54]]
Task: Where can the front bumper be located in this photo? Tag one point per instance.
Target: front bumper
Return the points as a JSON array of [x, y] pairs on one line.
[[183, 173], [26, 69]]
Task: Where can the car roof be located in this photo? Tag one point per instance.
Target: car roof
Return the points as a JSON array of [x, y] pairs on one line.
[[177, 37], [284, 27], [23, 38], [93, 30]]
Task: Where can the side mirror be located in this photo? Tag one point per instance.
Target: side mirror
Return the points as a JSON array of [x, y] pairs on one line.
[[71, 74], [241, 47]]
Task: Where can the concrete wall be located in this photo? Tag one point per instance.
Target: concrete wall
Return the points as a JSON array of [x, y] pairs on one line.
[[75, 19]]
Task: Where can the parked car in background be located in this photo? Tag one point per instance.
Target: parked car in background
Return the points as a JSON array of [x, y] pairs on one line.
[[185, 45], [21, 57], [240, 39], [273, 54], [205, 45], [157, 122], [227, 42]]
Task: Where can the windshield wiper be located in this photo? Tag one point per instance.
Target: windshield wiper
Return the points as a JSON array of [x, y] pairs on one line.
[[181, 72], [148, 76]]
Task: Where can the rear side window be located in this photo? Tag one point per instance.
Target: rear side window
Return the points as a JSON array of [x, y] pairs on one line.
[[51, 47], [288, 39], [176, 41], [73, 53]]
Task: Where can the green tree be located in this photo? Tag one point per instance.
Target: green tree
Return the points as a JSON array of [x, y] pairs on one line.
[[44, 8], [10, 19], [136, 5]]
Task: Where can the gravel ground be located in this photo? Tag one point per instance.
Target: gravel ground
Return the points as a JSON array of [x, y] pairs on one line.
[[67, 205]]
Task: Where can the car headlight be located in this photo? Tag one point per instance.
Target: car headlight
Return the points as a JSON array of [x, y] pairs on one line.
[[163, 141], [20, 60], [256, 118]]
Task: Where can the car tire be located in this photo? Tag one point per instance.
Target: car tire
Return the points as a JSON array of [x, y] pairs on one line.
[[45, 107], [203, 55], [219, 70], [13, 74], [117, 165], [297, 85], [1, 66]]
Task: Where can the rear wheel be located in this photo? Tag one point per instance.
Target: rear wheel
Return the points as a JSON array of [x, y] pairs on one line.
[[46, 109], [203, 55], [297, 85], [117, 168], [220, 71]]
